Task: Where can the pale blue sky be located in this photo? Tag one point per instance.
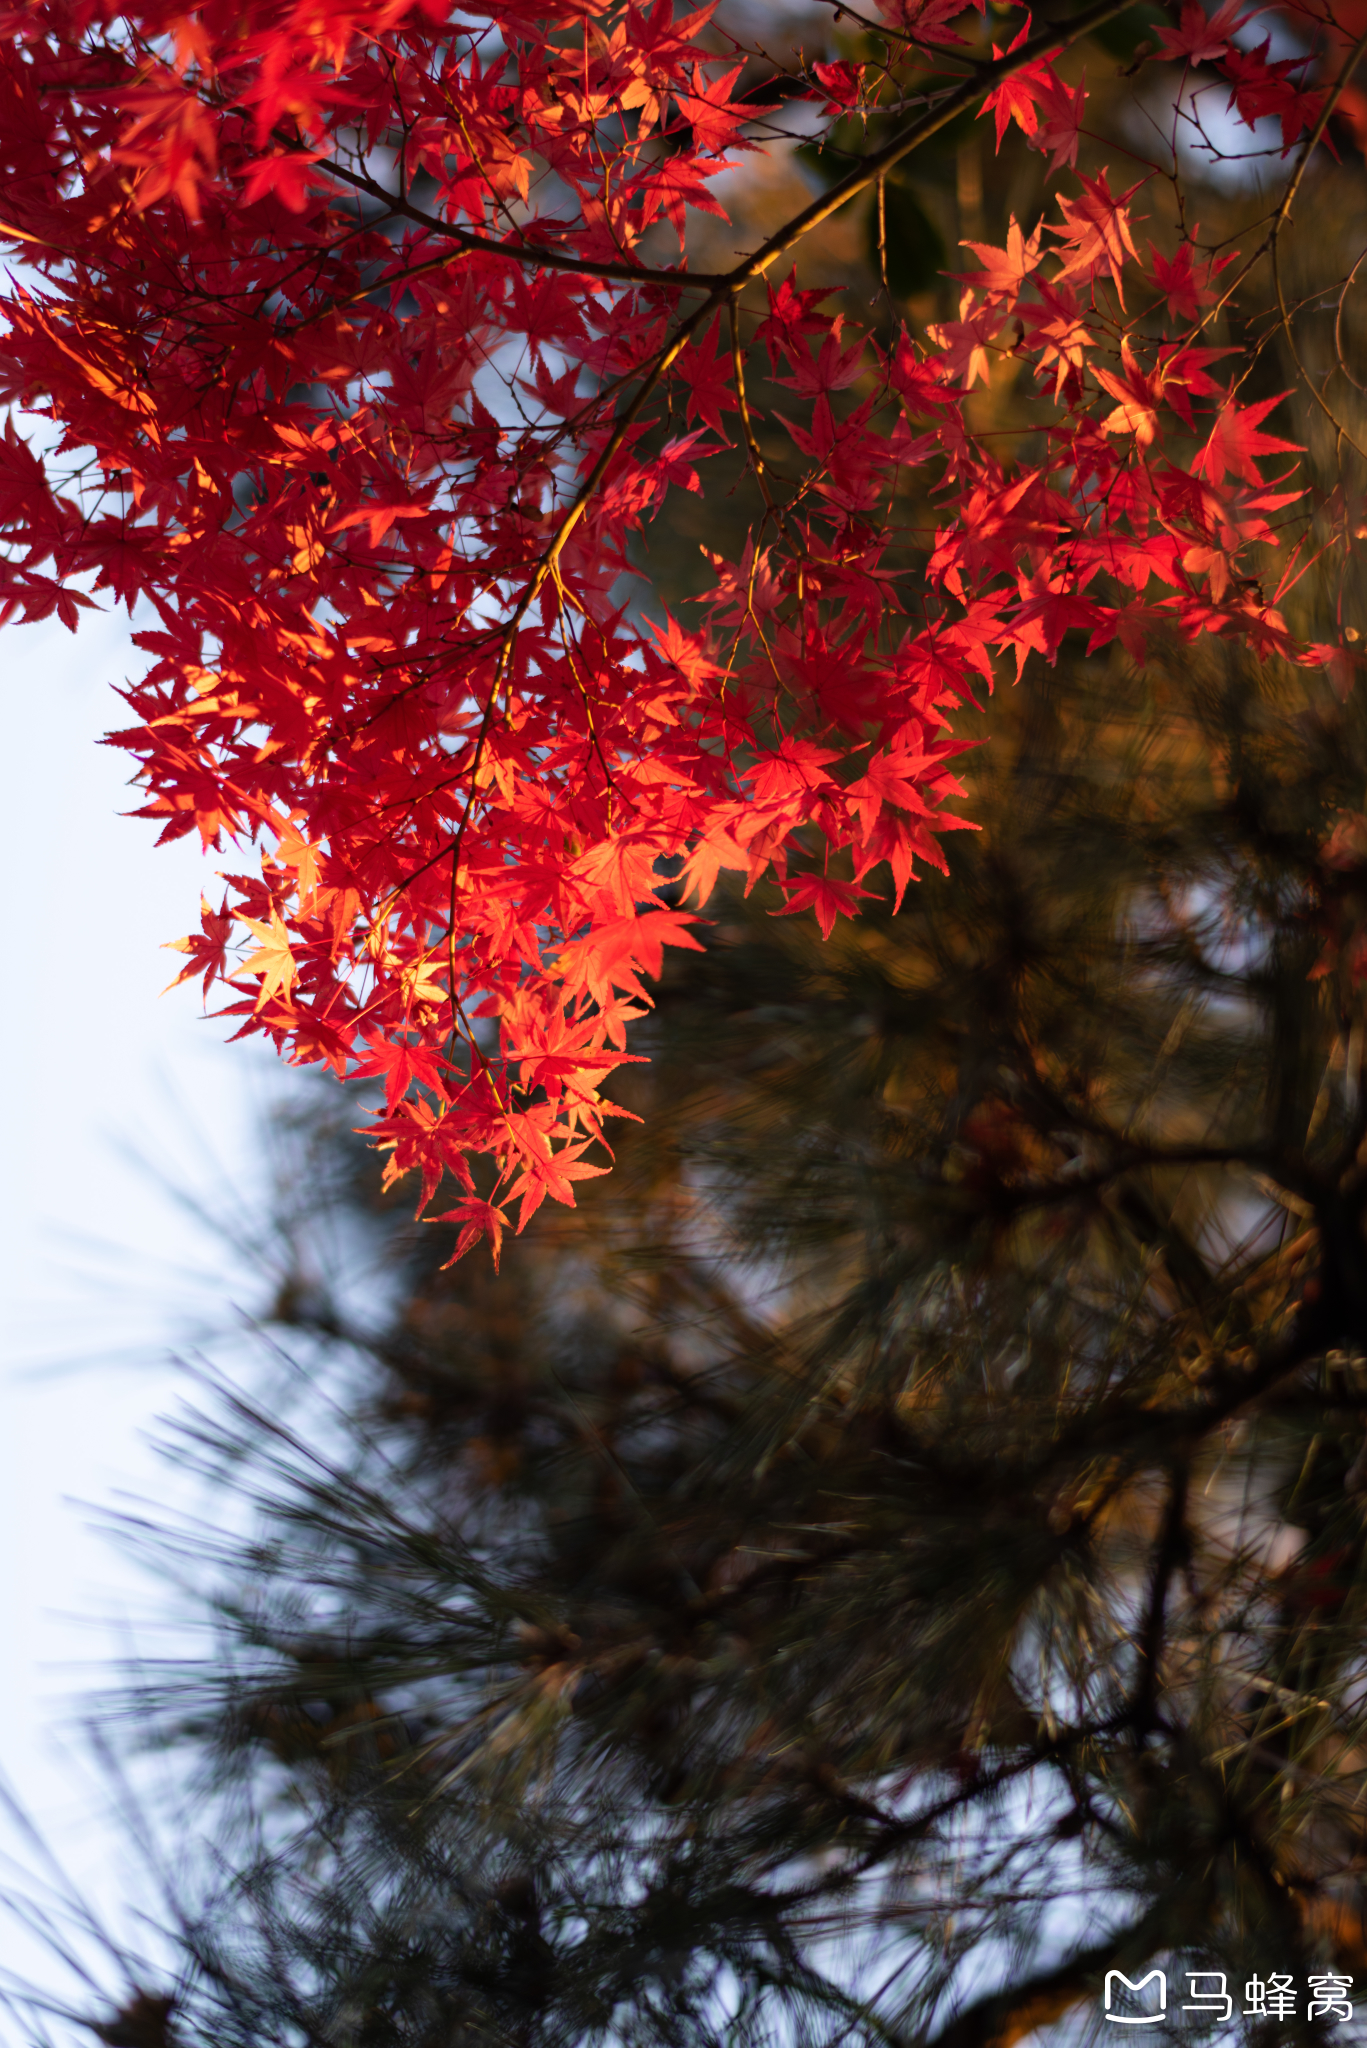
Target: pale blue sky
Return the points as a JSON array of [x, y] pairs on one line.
[[101, 1271]]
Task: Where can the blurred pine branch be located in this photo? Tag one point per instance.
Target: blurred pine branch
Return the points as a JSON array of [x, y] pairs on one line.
[[895, 1552]]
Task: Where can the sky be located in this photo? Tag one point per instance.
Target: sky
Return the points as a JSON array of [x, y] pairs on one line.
[[104, 1270]]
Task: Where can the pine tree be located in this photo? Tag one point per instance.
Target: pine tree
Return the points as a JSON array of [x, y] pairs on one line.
[[894, 1553]]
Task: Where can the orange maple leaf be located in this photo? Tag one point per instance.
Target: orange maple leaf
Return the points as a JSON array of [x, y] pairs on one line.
[[273, 960]]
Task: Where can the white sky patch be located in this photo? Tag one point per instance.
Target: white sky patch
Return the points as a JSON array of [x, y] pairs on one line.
[[103, 1270], [1198, 128]]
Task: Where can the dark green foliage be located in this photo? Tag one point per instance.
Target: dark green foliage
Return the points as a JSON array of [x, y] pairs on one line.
[[1131, 32], [896, 1551]]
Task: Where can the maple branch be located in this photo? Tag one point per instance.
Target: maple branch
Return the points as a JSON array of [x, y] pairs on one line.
[[982, 79], [1344, 290], [757, 463], [1283, 214], [1316, 135], [365, 291], [529, 253], [13, 234], [1270, 242], [650, 374], [872, 168], [566, 603]]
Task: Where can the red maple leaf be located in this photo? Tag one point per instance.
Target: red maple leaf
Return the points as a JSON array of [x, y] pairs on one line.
[[1236, 444], [709, 377], [207, 947], [1200, 37], [843, 83], [479, 1221], [828, 897], [402, 1063], [1097, 235]]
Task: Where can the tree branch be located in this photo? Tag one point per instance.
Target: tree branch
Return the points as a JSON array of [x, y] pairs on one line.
[[982, 79], [1005, 2017], [1172, 1551]]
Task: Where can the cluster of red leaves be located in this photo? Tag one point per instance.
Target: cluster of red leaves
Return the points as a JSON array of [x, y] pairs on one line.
[[366, 364]]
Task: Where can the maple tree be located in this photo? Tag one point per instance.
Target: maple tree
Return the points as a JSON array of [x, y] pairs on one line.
[[372, 349]]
